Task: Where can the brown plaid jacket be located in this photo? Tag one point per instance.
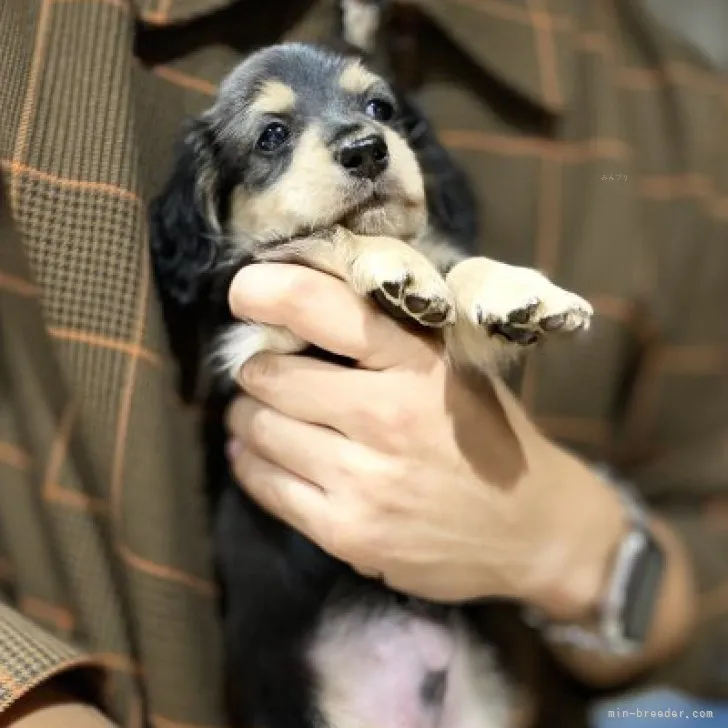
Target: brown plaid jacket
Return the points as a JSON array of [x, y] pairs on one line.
[[598, 146]]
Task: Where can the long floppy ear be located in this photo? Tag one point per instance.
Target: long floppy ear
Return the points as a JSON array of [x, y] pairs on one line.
[[184, 240], [184, 224], [451, 203]]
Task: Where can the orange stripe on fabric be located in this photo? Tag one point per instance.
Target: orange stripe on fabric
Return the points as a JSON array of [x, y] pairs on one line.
[[18, 286], [548, 221], [185, 80], [23, 133], [59, 445], [17, 168], [8, 682], [160, 16], [121, 4], [52, 491], [694, 360], [160, 722], [64, 496], [122, 426], [675, 72], [562, 151], [119, 662], [44, 611], [104, 342], [160, 571], [508, 11], [14, 456], [546, 52], [168, 573]]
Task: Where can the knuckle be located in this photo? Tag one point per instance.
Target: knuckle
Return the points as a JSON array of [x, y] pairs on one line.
[[354, 465], [365, 471], [384, 415], [341, 540], [389, 415], [261, 425], [237, 298], [300, 287], [259, 370]]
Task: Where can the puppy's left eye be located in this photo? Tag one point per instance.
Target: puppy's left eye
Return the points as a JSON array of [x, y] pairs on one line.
[[272, 137], [380, 110]]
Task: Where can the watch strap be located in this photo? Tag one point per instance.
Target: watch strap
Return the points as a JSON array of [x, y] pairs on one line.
[[625, 611]]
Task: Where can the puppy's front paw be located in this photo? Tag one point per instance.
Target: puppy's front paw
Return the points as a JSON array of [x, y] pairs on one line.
[[518, 304], [403, 281], [502, 309]]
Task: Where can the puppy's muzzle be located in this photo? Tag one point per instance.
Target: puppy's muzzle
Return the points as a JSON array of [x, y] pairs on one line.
[[365, 158]]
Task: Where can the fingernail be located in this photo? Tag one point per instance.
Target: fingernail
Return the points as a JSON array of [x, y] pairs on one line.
[[233, 448]]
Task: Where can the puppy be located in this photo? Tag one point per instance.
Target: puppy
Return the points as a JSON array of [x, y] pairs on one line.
[[309, 157]]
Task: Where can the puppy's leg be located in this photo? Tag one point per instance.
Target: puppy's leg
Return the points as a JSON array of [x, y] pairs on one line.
[[397, 275], [394, 272], [503, 309]]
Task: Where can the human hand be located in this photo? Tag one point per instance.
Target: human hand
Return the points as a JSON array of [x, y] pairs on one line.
[[401, 467]]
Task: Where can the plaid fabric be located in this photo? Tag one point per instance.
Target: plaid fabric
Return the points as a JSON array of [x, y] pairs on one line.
[[596, 143]]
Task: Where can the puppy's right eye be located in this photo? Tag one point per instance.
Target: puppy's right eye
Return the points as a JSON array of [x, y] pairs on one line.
[[272, 137]]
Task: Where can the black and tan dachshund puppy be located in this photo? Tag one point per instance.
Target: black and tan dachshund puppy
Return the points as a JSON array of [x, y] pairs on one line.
[[309, 157]]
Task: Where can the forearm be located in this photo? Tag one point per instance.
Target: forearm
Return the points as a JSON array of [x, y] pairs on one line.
[[671, 628], [595, 540]]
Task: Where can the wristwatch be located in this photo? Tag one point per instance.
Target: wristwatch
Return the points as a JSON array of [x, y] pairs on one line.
[[624, 615]]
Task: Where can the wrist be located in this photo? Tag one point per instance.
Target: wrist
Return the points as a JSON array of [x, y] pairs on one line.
[[585, 524]]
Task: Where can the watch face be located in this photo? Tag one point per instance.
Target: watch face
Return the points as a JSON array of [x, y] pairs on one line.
[[642, 591]]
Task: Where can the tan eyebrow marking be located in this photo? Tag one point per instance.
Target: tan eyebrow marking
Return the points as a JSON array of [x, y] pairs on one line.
[[274, 97], [356, 79]]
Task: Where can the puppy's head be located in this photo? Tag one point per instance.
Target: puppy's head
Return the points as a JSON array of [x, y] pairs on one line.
[[306, 139], [298, 139]]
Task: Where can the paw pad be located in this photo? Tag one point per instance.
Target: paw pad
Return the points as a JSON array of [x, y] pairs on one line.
[[403, 297], [528, 324]]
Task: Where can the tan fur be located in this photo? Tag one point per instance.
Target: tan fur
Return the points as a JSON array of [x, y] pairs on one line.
[[439, 252], [367, 263], [274, 97], [289, 207], [374, 235], [356, 79], [493, 291], [386, 248]]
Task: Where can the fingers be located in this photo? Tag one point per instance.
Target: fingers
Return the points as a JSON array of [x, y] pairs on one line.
[[316, 454], [299, 503], [313, 391], [322, 310]]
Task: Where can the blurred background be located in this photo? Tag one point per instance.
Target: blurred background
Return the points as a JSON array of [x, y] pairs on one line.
[[705, 24]]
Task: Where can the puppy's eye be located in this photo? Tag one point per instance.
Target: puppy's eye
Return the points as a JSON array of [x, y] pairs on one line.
[[272, 137], [380, 110]]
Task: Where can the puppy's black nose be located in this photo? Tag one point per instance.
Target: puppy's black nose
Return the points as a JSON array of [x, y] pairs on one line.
[[366, 158]]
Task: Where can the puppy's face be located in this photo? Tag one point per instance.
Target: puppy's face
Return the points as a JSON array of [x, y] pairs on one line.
[[304, 139]]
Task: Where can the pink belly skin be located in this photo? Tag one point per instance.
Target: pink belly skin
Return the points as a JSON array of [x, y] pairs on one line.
[[373, 673]]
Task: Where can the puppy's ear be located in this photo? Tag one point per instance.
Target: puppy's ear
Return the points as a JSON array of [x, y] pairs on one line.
[[184, 239], [184, 222], [451, 202]]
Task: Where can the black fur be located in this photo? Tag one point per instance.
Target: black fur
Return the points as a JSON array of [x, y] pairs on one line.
[[274, 581]]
